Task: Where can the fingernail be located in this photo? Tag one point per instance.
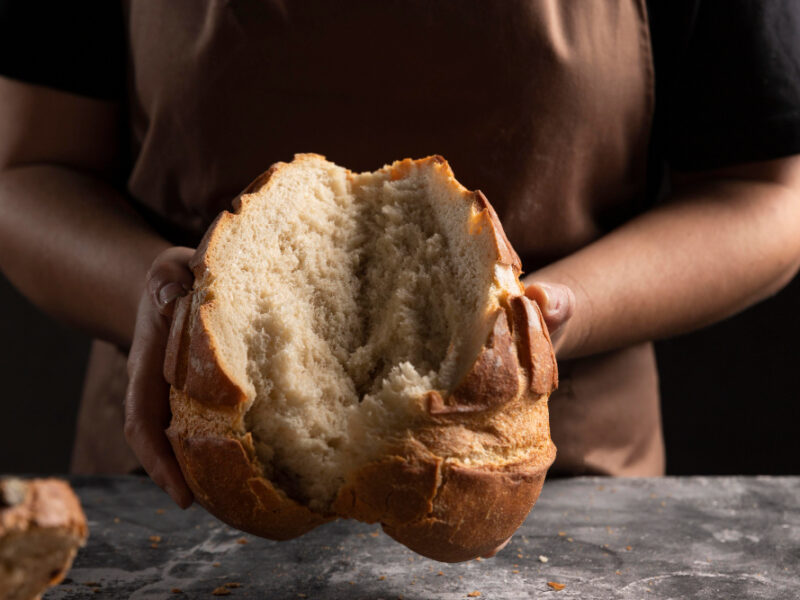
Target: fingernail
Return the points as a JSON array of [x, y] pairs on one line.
[[552, 299], [169, 292]]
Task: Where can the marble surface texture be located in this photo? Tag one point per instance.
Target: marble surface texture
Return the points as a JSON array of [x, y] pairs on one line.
[[699, 537]]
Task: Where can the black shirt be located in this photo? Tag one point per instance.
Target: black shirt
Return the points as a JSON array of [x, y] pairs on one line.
[[727, 71]]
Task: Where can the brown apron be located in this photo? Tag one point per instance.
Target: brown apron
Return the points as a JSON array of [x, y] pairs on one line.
[[544, 105]]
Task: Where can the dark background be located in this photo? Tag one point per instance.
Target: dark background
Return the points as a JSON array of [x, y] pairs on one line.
[[729, 393]]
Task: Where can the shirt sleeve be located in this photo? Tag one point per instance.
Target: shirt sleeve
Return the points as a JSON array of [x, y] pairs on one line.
[[77, 47], [728, 82]]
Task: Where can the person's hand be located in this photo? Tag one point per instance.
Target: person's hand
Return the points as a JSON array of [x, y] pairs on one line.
[[556, 301], [147, 411]]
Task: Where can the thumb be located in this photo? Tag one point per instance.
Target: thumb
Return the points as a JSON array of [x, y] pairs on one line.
[[555, 300]]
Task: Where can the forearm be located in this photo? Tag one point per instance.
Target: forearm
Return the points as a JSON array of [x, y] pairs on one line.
[[711, 251], [71, 244]]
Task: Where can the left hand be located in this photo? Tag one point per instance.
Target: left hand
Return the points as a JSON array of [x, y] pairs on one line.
[[147, 412]]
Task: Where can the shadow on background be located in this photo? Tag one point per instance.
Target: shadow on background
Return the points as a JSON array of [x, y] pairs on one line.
[[730, 393], [41, 370]]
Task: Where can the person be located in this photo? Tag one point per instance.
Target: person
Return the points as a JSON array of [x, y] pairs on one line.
[[643, 158]]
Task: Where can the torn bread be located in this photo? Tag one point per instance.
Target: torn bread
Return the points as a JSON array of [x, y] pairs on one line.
[[359, 345], [41, 528]]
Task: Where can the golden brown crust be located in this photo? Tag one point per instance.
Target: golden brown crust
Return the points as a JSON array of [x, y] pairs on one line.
[[492, 380], [538, 355], [505, 252], [41, 507], [475, 510], [440, 506], [207, 379], [397, 489], [44, 503], [223, 475]]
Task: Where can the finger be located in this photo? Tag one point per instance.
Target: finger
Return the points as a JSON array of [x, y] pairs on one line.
[[147, 411], [496, 550], [169, 278], [555, 300]]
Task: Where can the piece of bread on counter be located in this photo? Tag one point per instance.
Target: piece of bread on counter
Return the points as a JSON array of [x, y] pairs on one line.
[[359, 345], [42, 526]]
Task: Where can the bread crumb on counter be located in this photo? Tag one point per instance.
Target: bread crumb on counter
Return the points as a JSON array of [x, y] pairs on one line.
[[474, 594], [556, 586], [242, 541], [233, 584], [221, 591], [176, 591], [543, 558]]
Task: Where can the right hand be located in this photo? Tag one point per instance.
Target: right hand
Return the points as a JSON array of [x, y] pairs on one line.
[[557, 303], [147, 412]]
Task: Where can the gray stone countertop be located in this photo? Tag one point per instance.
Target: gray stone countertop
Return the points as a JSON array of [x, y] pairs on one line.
[[695, 537]]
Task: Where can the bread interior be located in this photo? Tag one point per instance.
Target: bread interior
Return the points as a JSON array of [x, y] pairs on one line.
[[346, 298], [33, 559]]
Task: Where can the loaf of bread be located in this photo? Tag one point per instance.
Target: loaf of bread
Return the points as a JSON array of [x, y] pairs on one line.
[[41, 528], [359, 345]]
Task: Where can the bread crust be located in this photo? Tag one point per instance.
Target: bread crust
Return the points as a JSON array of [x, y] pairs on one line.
[[492, 380], [222, 473], [538, 355], [41, 503], [41, 507], [424, 489], [475, 511]]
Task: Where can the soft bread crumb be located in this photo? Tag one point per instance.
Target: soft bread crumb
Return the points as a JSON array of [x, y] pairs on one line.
[[341, 299]]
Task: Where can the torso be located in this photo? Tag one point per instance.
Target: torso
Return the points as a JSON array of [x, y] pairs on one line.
[[544, 105]]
